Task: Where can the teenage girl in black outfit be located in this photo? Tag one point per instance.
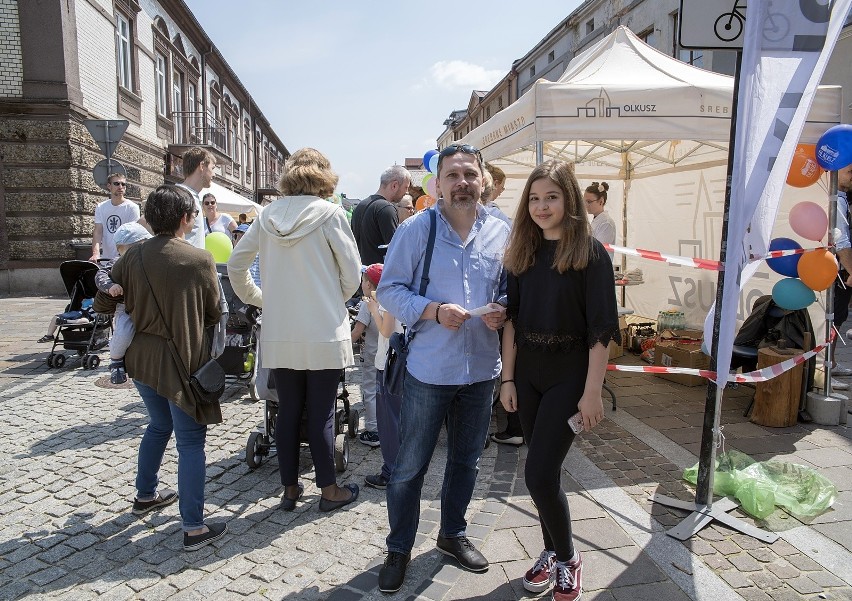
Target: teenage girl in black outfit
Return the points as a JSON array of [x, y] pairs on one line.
[[563, 313]]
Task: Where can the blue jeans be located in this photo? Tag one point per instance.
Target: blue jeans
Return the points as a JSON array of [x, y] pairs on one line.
[[189, 439], [467, 409]]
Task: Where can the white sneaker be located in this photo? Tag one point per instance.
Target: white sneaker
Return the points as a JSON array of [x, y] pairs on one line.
[[838, 385], [841, 372]]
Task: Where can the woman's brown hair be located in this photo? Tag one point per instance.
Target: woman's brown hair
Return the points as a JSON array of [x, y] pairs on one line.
[[575, 246], [599, 190], [308, 173]]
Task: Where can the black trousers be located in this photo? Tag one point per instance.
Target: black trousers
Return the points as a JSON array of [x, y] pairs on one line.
[[549, 387], [316, 392]]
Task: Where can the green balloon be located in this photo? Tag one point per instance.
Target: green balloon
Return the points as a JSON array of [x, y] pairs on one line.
[[219, 246]]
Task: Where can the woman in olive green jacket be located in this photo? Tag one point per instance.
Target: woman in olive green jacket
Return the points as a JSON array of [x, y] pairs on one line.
[[171, 291]]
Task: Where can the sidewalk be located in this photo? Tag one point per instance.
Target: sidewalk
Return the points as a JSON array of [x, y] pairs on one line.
[[69, 446]]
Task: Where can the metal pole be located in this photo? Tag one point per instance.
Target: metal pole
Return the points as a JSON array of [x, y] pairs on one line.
[[713, 401], [539, 153]]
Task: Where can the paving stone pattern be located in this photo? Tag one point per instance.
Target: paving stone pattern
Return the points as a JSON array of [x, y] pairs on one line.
[[68, 447]]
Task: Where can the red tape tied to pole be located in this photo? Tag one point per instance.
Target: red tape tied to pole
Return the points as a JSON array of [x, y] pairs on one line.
[[700, 263], [760, 375]]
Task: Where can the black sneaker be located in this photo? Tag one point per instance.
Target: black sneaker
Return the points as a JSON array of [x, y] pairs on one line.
[[371, 439], [392, 574], [508, 438], [164, 497], [377, 481], [196, 541], [465, 553]]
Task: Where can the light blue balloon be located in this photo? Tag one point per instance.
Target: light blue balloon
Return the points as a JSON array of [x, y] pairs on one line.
[[428, 156], [792, 294], [433, 164]]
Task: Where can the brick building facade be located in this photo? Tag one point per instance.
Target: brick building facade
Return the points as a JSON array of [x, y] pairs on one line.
[[145, 61]]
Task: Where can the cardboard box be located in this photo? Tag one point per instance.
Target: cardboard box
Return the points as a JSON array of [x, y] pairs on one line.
[[681, 348], [617, 350]]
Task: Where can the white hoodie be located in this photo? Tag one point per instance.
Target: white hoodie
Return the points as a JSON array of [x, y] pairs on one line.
[[310, 267]]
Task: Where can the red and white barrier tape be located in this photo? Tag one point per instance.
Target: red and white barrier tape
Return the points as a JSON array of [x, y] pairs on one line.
[[760, 375], [700, 263]]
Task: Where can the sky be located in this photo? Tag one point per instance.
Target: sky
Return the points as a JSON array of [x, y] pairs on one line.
[[370, 83]]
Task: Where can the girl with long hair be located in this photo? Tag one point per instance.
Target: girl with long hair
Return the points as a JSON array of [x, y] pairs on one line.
[[563, 313]]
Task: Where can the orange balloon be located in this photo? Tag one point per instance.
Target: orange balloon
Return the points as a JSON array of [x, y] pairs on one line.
[[804, 169], [817, 269], [424, 202]]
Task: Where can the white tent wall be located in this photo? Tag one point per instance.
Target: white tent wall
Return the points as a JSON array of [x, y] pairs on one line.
[[677, 213]]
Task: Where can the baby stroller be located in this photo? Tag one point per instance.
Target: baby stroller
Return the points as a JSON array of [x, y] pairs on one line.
[[239, 359], [261, 443], [80, 328]]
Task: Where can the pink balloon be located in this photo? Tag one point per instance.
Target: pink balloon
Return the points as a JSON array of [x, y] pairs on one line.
[[809, 220], [431, 190]]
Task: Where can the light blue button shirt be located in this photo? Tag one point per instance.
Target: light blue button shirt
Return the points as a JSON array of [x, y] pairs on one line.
[[842, 241], [468, 273]]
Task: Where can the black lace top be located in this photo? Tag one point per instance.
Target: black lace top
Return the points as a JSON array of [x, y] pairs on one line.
[[564, 312]]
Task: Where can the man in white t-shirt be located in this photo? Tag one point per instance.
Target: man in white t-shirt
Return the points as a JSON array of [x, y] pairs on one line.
[[110, 215], [199, 166]]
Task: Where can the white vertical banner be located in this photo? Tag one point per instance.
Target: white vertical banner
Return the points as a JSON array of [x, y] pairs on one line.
[[786, 46]]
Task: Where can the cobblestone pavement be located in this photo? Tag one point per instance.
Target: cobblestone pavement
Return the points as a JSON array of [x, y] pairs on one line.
[[67, 463]]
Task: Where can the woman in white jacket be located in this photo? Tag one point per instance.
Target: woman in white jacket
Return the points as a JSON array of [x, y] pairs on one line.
[[309, 266]]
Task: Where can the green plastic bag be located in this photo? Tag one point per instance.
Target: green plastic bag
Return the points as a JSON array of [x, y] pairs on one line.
[[761, 486]]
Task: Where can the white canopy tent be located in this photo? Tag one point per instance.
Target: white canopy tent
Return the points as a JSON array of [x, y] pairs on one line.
[[231, 202], [657, 131]]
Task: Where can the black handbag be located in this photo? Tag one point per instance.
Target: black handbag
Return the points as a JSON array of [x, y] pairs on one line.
[[398, 343], [208, 381]]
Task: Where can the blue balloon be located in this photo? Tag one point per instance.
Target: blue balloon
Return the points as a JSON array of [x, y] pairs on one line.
[[792, 294], [428, 156], [788, 265], [834, 148]]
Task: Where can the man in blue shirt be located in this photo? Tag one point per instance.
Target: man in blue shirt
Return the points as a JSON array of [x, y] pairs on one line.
[[453, 360], [842, 293]]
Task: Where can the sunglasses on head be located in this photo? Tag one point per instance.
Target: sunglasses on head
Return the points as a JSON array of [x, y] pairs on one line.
[[465, 148]]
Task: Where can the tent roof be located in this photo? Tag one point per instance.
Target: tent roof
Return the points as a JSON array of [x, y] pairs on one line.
[[622, 109], [231, 202]]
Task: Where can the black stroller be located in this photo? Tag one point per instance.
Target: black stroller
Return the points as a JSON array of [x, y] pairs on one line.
[[80, 329], [239, 359], [260, 444]]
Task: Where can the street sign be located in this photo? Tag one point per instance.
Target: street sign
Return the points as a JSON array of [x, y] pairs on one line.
[[107, 133], [103, 170], [712, 24]]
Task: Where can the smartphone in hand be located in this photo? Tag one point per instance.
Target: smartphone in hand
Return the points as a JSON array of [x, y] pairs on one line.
[[576, 422]]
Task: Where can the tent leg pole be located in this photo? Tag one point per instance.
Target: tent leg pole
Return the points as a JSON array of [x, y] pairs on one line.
[[539, 153], [704, 512]]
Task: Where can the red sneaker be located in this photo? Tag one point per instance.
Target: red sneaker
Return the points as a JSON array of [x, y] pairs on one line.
[[539, 577], [569, 580]]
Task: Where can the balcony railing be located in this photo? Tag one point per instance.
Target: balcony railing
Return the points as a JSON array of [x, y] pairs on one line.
[[268, 180], [193, 128]]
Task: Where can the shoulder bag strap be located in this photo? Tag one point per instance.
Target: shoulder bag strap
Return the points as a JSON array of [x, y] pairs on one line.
[[430, 246], [169, 342], [427, 262]]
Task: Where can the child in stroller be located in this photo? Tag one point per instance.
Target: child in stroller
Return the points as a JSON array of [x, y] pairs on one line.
[[122, 331]]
